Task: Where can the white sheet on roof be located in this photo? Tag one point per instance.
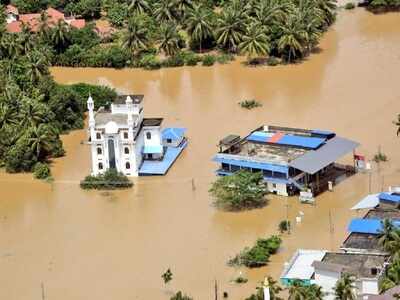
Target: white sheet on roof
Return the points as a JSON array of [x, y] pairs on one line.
[[369, 201], [301, 266]]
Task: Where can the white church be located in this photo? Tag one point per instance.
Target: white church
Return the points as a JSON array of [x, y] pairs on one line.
[[121, 138]]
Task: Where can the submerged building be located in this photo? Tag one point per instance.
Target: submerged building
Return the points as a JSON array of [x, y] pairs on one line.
[[122, 139], [291, 159]]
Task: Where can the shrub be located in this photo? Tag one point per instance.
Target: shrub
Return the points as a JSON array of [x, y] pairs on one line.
[[249, 104], [225, 58], [180, 296], [41, 171], [350, 5], [191, 59], [258, 255], [380, 157], [118, 13], [174, 61], [209, 60], [241, 190], [149, 62], [284, 225], [272, 61], [20, 157], [110, 180], [240, 279]]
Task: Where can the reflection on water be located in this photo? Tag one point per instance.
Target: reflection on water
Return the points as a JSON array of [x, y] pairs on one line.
[[96, 245]]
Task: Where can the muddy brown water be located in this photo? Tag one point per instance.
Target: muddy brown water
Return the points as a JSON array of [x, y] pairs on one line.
[[93, 245]]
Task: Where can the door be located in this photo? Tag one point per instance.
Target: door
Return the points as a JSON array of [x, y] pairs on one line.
[[111, 153]]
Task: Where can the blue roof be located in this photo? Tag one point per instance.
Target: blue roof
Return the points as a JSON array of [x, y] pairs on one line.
[[251, 164], [155, 167], [268, 179], [323, 132], [153, 149], [173, 133], [287, 139], [371, 226], [389, 197]]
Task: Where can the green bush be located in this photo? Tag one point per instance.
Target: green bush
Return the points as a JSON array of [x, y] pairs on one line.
[[118, 13], [150, 62], [180, 296], [225, 58], [350, 5], [41, 171], [20, 157], [249, 104], [284, 225], [174, 61], [110, 180], [209, 60], [191, 59], [272, 61], [258, 255]]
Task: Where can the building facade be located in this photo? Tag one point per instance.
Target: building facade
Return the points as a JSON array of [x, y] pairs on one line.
[[121, 138]]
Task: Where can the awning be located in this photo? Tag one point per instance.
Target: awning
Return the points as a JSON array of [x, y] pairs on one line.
[[251, 164], [313, 161], [153, 149], [369, 201]]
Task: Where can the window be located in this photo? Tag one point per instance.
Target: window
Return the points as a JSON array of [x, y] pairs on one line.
[[274, 185], [127, 165], [100, 166], [99, 151], [126, 150], [169, 141], [148, 135], [125, 135], [98, 135]]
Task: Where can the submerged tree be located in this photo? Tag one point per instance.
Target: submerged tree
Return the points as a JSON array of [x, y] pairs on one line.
[[255, 41], [168, 38], [136, 36], [199, 24], [241, 190], [397, 123]]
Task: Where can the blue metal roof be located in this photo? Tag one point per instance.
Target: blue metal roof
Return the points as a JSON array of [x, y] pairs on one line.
[[371, 226], [326, 133], [173, 133], [287, 139], [153, 149], [389, 197], [250, 164], [268, 179]]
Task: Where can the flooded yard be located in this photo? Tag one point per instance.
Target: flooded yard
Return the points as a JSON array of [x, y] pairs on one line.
[[115, 245]]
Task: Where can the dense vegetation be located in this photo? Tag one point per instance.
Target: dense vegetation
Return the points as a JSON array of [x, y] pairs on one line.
[[258, 255], [110, 180], [242, 190], [34, 110], [384, 5], [147, 30]]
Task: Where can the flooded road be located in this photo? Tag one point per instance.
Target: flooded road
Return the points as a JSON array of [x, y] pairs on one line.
[[94, 245]]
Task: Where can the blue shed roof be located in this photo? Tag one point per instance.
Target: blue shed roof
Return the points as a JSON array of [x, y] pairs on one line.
[[389, 197], [287, 139], [173, 133], [251, 164], [371, 226]]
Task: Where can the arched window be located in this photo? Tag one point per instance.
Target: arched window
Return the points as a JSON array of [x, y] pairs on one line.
[[127, 165], [125, 135], [148, 135], [99, 151], [100, 166], [98, 135], [126, 150]]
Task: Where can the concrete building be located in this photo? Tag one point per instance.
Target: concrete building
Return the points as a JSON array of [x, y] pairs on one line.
[[121, 138], [291, 159]]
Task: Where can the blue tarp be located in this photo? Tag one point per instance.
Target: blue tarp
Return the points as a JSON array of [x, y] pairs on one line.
[[371, 226], [173, 133], [253, 165], [153, 149], [389, 197], [155, 167], [289, 140]]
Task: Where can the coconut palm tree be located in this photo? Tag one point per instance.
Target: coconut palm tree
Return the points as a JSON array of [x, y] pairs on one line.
[[274, 288], [168, 38], [297, 291], [40, 139], [315, 292], [291, 42], [32, 113], [182, 7], [345, 287], [329, 10], [136, 36], [397, 123], [386, 234], [165, 10], [138, 6], [199, 24], [8, 115], [255, 41], [60, 35], [231, 25], [38, 65], [392, 276], [268, 12]]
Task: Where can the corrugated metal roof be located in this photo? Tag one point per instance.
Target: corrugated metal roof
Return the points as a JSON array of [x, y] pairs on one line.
[[173, 133], [251, 164], [369, 201], [371, 226], [286, 139], [389, 197], [313, 161]]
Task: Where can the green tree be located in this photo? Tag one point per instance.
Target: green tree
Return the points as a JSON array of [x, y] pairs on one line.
[[180, 296], [231, 26], [167, 276], [391, 277], [290, 44], [297, 291], [60, 35], [168, 38], [199, 24], [274, 288], [32, 112], [397, 123], [239, 191], [40, 139], [138, 6], [345, 288], [164, 10], [38, 65], [182, 7], [386, 234], [136, 36], [255, 41]]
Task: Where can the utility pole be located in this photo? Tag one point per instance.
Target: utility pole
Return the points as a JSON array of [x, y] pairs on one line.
[[216, 289], [193, 185], [331, 229], [369, 181], [287, 215], [43, 296]]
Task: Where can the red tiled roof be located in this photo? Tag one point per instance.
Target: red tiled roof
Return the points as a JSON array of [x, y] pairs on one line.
[[11, 9], [26, 18], [78, 23], [55, 15], [14, 27]]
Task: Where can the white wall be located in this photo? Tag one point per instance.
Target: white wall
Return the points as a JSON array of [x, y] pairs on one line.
[[155, 136], [280, 188], [327, 280], [369, 287]]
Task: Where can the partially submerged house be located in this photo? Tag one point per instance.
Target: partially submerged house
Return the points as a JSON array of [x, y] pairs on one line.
[[291, 159], [122, 139]]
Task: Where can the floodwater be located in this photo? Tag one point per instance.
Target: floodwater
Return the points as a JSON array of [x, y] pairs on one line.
[[67, 243]]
